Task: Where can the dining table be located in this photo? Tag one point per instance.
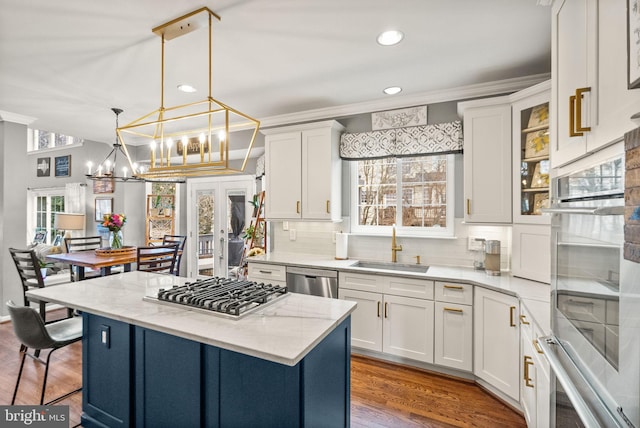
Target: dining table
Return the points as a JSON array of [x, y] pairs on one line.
[[81, 260]]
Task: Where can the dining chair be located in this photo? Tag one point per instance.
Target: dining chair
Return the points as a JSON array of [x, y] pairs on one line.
[[160, 258], [28, 267], [85, 243], [33, 333], [181, 241]]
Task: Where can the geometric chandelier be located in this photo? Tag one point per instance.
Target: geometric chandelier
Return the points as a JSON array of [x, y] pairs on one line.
[[192, 139]]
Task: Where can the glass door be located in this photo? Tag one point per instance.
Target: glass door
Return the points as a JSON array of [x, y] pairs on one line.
[[218, 212]]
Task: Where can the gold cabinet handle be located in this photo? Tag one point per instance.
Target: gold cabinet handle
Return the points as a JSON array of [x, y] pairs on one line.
[[537, 346], [297, 207], [579, 96], [417, 259], [386, 307], [572, 117], [523, 320], [512, 311], [328, 207], [454, 287], [528, 361], [453, 310], [378, 309], [468, 206]]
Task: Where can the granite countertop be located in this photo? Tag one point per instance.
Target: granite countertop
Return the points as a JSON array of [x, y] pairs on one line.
[[283, 331], [534, 295]]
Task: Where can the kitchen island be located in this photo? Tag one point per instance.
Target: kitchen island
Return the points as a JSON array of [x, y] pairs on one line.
[[149, 364]]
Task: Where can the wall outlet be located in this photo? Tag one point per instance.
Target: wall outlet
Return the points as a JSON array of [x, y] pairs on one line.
[[285, 225], [292, 234], [474, 244]]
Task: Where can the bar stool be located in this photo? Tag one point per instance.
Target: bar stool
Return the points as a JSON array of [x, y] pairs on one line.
[[32, 332]]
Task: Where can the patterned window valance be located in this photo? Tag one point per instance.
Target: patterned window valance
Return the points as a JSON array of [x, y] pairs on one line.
[[438, 139]]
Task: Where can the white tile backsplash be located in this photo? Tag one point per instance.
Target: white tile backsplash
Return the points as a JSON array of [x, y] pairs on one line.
[[317, 238]]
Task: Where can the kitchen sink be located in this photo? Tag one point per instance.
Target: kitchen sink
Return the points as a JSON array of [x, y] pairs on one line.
[[392, 266]]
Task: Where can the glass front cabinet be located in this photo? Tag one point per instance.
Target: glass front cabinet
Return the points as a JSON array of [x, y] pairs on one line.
[[531, 156]]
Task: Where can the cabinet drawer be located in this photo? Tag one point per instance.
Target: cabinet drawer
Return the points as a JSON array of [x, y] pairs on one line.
[[454, 293], [267, 272], [362, 282], [408, 287]]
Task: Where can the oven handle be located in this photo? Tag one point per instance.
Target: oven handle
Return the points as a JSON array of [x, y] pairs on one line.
[[619, 210]]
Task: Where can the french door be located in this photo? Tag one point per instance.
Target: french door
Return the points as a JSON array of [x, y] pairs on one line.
[[217, 213]]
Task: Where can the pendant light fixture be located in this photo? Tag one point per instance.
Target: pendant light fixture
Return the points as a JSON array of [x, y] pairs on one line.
[[197, 135], [109, 168]]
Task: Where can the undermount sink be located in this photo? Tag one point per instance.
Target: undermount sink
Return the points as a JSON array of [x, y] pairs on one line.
[[392, 266]]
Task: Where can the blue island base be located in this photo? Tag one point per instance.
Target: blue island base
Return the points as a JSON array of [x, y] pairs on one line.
[[133, 376]]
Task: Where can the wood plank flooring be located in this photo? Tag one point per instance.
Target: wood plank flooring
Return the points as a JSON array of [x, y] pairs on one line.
[[383, 395]]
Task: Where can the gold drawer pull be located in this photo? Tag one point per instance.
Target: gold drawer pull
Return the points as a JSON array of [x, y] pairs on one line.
[[328, 207], [512, 311], [386, 307], [537, 346], [378, 309], [468, 206], [453, 310], [297, 207], [454, 287], [528, 361], [523, 320]]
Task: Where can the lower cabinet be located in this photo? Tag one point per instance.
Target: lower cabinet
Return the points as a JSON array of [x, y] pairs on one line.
[[395, 325], [535, 384], [268, 273], [497, 340]]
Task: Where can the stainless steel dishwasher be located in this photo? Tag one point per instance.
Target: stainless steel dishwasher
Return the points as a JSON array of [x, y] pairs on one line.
[[317, 282]]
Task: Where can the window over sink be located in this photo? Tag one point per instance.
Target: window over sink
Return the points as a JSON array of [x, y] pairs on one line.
[[414, 193]]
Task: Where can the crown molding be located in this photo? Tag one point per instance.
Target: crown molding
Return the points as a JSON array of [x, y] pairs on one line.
[[7, 116], [443, 95]]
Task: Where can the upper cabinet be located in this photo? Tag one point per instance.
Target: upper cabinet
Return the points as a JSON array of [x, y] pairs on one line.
[[303, 172], [531, 162], [487, 160], [590, 101]]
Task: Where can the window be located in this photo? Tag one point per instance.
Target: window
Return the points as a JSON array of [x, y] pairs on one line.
[[44, 205], [425, 185], [41, 140]]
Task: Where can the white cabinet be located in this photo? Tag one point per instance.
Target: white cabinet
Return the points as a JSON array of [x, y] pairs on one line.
[[397, 324], [303, 172], [530, 254], [487, 160], [535, 385], [590, 98], [267, 272], [496, 340], [453, 335], [531, 165]]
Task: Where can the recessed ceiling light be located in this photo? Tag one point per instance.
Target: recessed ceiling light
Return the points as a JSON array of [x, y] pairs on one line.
[[390, 38], [186, 88], [392, 90]]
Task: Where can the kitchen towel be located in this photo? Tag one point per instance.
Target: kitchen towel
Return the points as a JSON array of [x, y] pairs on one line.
[[342, 244]]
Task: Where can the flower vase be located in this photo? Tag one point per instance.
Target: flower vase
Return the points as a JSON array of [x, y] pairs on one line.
[[115, 239]]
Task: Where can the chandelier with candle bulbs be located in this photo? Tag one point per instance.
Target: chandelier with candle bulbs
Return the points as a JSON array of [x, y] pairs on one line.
[[109, 169], [192, 139]]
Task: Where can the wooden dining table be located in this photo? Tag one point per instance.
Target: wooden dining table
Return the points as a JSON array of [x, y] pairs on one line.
[[89, 259]]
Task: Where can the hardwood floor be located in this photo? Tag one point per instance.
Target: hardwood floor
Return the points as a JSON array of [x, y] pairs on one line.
[[383, 395]]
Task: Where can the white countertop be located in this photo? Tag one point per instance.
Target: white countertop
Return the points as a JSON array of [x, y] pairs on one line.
[[283, 331], [535, 295]]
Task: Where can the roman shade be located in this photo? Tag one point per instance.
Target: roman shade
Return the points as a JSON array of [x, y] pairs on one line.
[[437, 139]]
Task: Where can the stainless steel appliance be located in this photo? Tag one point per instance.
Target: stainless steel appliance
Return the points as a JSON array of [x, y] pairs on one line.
[[224, 296], [594, 350], [317, 282]]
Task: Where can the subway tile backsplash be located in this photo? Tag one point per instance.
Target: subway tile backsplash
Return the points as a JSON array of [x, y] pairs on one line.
[[317, 238]]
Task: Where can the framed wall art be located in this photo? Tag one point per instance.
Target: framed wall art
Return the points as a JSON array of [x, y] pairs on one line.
[[103, 185], [633, 44], [43, 168], [62, 166], [103, 206]]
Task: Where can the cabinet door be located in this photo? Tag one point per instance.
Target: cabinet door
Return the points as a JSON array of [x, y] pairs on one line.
[[487, 164], [531, 259], [408, 328], [366, 320], [283, 154], [574, 35], [316, 174], [453, 337], [496, 340]]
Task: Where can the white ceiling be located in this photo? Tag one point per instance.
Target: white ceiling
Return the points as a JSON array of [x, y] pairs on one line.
[[67, 62]]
